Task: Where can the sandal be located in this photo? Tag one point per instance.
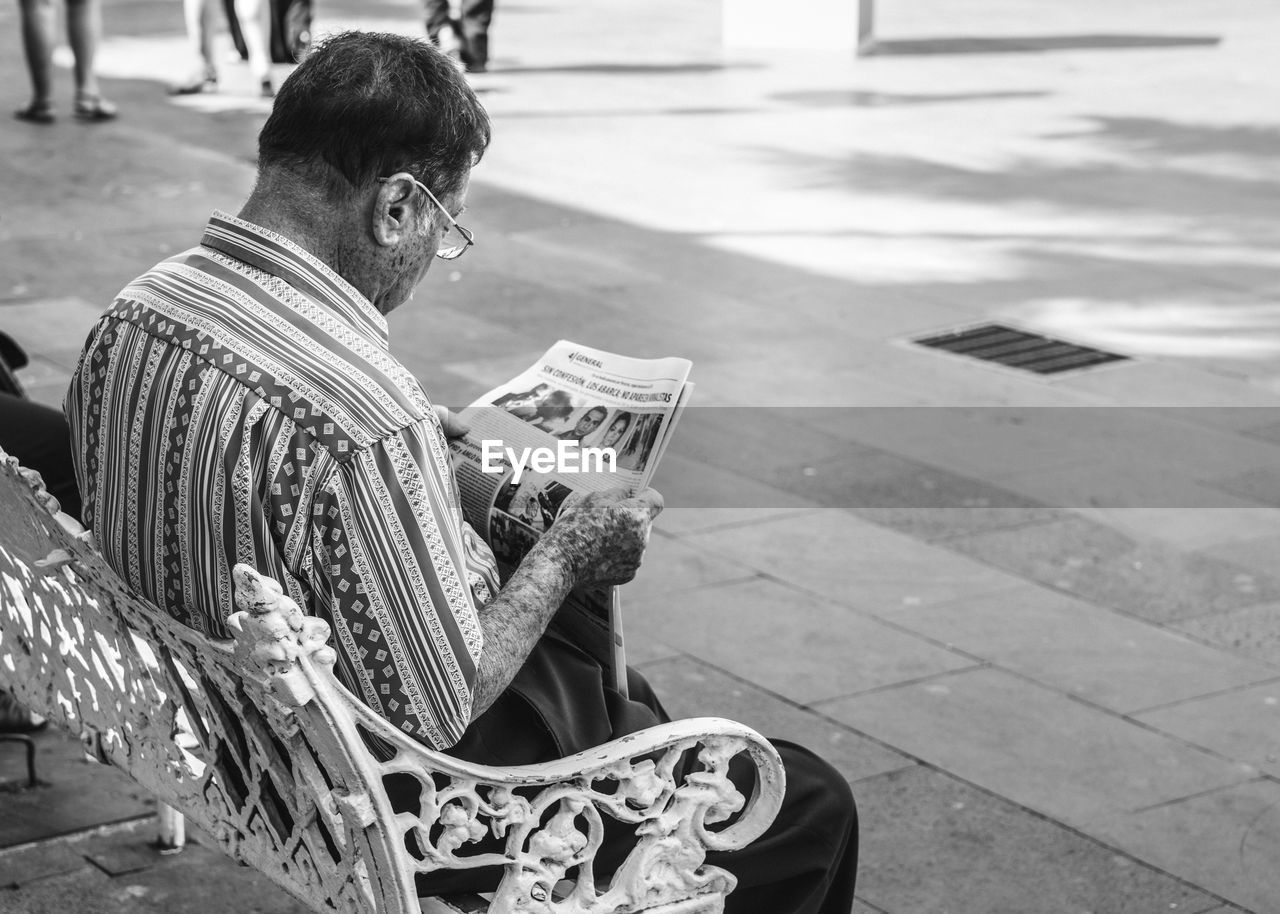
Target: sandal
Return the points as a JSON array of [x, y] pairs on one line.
[[206, 83], [95, 108], [36, 113]]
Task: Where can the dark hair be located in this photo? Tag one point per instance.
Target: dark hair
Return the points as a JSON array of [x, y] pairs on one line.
[[370, 104]]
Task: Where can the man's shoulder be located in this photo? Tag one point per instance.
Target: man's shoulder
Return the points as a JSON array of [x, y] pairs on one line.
[[345, 391]]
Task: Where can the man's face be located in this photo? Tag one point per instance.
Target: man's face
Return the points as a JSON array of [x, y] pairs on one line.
[[590, 421], [414, 255]]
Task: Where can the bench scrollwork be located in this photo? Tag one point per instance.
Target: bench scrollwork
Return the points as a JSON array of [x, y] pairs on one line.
[[257, 742]]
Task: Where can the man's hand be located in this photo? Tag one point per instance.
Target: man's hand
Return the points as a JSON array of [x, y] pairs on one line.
[[597, 540], [452, 426], [603, 536]]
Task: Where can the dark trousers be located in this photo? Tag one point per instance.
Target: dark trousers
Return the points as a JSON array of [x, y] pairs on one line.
[[806, 863], [39, 438]]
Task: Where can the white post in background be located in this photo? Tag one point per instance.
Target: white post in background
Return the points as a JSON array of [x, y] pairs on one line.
[[833, 25]]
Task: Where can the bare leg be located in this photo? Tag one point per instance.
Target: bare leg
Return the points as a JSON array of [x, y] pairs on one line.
[[438, 18], [476, 16], [37, 43], [199, 19], [84, 28], [198, 15], [255, 25]]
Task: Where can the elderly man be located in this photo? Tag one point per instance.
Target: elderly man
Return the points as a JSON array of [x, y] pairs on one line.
[[238, 403]]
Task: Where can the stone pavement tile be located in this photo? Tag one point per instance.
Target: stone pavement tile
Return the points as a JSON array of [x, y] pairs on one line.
[[1146, 579], [91, 266], [678, 520], [991, 442], [867, 476], [794, 384], [1261, 423], [940, 524], [853, 561], [32, 862], [754, 441], [484, 374], [416, 334], [73, 794], [921, 500], [689, 688], [55, 328], [1113, 481], [1170, 383], [691, 484], [673, 565], [86, 889], [163, 183], [123, 852], [786, 641], [1253, 631], [199, 880], [1097, 654], [1264, 429], [1226, 841], [1258, 553], [44, 381], [644, 649], [1034, 745], [1261, 486], [1191, 528], [933, 843], [1243, 724], [41, 371]]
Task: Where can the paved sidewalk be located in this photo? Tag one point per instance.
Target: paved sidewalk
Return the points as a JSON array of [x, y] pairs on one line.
[[1035, 620]]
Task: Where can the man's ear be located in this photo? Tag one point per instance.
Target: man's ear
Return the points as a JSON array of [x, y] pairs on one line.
[[395, 208]]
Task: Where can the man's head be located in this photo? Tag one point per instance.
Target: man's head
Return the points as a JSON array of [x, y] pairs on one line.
[[363, 118], [589, 421]]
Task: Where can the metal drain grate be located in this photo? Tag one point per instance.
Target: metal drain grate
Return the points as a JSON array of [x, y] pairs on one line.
[[1019, 349]]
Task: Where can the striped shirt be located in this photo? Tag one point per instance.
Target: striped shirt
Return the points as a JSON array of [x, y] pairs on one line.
[[238, 403]]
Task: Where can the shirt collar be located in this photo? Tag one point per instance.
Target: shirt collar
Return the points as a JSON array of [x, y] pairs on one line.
[[277, 255]]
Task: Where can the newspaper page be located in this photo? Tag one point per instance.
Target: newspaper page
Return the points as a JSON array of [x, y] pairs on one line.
[[578, 420]]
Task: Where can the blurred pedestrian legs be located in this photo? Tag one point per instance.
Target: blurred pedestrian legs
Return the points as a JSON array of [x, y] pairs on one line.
[[467, 36], [255, 25], [84, 29], [204, 72]]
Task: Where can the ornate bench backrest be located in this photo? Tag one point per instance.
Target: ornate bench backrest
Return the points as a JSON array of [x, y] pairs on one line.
[[257, 742]]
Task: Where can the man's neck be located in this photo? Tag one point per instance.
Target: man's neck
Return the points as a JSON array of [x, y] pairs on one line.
[[316, 226]]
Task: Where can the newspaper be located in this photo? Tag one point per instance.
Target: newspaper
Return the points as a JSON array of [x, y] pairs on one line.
[[579, 420]]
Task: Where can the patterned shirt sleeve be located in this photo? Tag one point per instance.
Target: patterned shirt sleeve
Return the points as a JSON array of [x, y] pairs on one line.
[[390, 570]]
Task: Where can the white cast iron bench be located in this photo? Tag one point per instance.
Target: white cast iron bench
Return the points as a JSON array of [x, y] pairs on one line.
[[257, 743]]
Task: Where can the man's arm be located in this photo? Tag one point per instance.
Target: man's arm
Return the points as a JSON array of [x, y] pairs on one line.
[[600, 540]]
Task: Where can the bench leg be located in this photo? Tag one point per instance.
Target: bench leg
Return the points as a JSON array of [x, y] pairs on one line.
[[172, 829]]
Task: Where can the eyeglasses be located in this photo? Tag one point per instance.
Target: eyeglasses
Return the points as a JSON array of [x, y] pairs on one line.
[[457, 248]]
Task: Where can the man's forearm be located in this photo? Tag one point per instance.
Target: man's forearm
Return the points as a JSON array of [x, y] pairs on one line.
[[600, 540], [516, 618]]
